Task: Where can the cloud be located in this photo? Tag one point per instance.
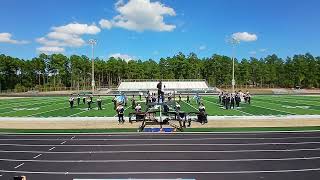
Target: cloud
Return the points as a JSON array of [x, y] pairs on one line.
[[244, 36], [46, 42], [132, 37], [253, 52], [119, 3], [203, 47], [105, 24], [140, 15], [263, 50], [122, 56], [60, 36], [77, 29], [71, 40], [50, 49], [66, 36], [7, 38]]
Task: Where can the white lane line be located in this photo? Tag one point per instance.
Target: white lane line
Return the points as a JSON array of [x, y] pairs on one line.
[[158, 160], [51, 148], [161, 144], [169, 139], [19, 165], [63, 142], [177, 151], [37, 156], [162, 172]]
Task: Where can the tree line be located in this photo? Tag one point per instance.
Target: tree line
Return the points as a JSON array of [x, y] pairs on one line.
[[58, 70]]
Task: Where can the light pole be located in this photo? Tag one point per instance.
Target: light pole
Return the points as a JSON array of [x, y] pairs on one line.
[[233, 43], [92, 42]]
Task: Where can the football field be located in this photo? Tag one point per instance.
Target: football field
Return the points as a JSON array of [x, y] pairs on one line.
[[261, 105]]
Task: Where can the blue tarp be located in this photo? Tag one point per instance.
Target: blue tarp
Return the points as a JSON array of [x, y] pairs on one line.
[[158, 130]]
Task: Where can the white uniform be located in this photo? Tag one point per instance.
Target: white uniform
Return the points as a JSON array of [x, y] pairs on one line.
[[202, 108], [138, 108]]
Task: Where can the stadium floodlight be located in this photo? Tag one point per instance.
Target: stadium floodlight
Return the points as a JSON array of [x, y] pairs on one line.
[[92, 42], [233, 41]]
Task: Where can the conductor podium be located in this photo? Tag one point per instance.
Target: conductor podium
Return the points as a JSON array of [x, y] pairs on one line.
[[157, 115]]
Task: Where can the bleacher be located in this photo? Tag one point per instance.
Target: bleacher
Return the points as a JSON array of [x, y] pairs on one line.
[[169, 85]]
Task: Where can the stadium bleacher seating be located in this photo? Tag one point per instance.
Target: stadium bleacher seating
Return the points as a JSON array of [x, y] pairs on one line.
[[183, 85]]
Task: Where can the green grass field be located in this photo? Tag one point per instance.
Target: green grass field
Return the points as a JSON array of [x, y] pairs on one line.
[[262, 105]]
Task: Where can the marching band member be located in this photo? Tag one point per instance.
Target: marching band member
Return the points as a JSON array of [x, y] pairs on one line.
[[71, 101], [120, 112]]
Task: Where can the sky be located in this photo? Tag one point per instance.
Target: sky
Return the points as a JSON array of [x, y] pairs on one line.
[[143, 29]]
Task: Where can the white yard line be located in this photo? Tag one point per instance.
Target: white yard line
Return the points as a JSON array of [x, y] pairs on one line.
[[13, 104], [29, 115], [285, 100], [72, 115], [272, 103], [265, 108], [32, 103], [308, 101], [190, 105], [45, 111], [233, 109], [244, 112], [273, 109]]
